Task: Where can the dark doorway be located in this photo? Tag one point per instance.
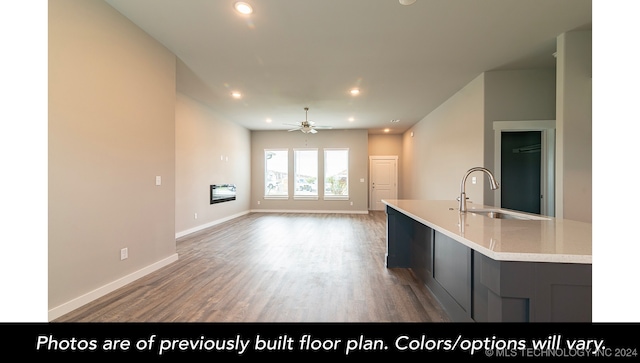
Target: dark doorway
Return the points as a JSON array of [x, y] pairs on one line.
[[521, 167]]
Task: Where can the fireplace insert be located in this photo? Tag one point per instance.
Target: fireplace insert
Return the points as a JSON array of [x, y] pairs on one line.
[[222, 193]]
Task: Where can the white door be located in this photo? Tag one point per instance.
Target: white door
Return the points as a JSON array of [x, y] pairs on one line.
[[383, 172]]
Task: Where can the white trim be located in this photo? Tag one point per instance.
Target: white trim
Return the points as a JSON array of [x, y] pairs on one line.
[[71, 305], [548, 181], [278, 197], [526, 125], [335, 197], [309, 211], [210, 224], [305, 197]]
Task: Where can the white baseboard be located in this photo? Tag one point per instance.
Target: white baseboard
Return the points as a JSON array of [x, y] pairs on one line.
[[112, 286], [210, 224], [228, 218], [309, 211]]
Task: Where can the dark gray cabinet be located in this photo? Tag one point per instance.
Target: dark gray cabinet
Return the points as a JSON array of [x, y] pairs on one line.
[[531, 291], [473, 287], [452, 264], [401, 228]]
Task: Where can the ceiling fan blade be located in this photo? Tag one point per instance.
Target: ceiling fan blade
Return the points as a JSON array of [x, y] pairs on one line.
[[305, 126], [323, 127]]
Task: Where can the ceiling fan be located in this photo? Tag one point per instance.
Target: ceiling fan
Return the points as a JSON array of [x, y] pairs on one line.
[[306, 126]]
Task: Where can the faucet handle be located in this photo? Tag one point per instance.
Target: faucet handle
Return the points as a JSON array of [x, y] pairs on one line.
[[458, 199]]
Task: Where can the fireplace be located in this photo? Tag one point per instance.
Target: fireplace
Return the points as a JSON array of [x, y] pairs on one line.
[[222, 193]]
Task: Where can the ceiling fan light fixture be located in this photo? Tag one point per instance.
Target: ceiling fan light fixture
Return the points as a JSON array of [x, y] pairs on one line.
[[306, 126], [243, 8]]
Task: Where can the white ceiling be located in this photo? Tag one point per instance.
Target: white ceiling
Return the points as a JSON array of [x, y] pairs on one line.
[[292, 54]]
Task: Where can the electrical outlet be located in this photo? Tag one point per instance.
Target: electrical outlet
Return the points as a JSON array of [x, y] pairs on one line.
[[124, 254], [195, 215], [351, 203], [258, 202]]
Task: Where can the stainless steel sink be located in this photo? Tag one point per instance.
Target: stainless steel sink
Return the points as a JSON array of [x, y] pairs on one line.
[[501, 214]]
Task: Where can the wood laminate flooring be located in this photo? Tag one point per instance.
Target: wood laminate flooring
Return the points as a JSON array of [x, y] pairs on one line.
[[274, 267]]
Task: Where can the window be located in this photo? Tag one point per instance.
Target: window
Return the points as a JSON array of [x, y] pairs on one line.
[[306, 174], [336, 173], [276, 173]]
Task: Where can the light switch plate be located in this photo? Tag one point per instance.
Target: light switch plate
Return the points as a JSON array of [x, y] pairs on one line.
[[158, 180]]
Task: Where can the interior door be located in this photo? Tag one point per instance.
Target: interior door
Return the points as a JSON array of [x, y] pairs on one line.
[[521, 171], [383, 172], [530, 154]]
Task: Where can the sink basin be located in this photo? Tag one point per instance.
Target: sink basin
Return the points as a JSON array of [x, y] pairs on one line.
[[498, 215], [502, 214]]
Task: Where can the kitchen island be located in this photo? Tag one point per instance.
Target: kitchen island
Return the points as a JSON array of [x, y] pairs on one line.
[[518, 268]]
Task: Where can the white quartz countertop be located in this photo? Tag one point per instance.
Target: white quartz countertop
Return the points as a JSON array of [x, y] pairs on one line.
[[543, 239]]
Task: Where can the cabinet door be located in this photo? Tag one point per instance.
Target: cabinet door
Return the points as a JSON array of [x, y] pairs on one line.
[[399, 236], [452, 269], [421, 256]]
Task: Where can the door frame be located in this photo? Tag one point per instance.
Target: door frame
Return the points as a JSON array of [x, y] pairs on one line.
[[395, 182], [547, 158]]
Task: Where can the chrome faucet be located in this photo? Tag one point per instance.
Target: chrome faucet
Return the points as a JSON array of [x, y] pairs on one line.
[[463, 197]]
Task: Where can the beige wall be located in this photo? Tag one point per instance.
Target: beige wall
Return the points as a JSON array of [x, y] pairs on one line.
[[515, 95], [384, 145], [574, 122], [209, 150], [447, 141], [111, 132], [445, 144], [355, 140]]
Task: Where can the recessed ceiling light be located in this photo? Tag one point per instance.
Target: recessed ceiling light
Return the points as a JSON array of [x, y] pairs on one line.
[[355, 91], [268, 120], [236, 94], [407, 2], [243, 8], [351, 119], [386, 130]]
